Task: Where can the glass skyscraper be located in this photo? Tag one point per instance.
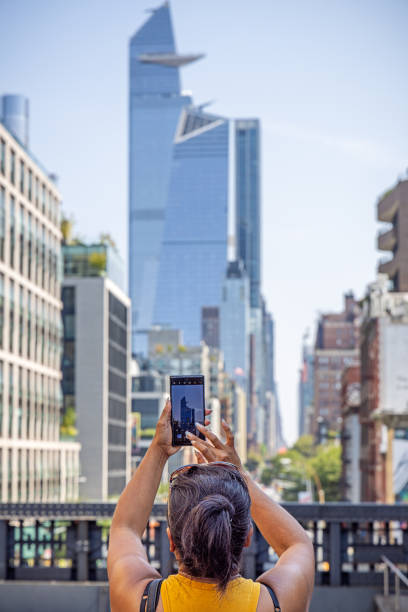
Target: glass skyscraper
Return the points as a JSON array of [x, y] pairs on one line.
[[155, 107], [248, 205], [194, 247], [235, 322]]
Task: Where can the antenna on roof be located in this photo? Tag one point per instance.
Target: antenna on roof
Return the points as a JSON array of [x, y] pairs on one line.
[[205, 104]]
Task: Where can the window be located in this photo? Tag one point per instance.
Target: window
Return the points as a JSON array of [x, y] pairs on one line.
[[21, 239], [20, 403], [1, 309], [1, 399], [22, 176], [30, 246], [2, 156], [11, 317], [43, 202], [28, 324], [12, 229], [11, 401], [30, 185], [21, 323], [43, 260], [2, 221], [12, 167], [37, 191], [117, 309]]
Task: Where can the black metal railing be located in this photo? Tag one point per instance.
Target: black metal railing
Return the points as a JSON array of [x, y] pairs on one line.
[[69, 542]]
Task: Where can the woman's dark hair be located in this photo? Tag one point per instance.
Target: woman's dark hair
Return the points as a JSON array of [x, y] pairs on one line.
[[209, 520]]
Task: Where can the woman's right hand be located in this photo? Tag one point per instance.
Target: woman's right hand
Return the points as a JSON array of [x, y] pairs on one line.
[[212, 449]]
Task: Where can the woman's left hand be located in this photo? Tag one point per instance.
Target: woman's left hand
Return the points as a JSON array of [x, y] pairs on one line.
[[162, 437]]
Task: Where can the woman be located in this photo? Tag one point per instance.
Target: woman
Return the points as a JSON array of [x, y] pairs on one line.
[[209, 525]]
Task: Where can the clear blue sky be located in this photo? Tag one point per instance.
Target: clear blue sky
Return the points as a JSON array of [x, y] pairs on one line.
[[328, 81]]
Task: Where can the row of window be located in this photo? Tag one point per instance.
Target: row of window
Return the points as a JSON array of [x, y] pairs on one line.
[[24, 178], [30, 404], [34, 325], [32, 249], [38, 476], [334, 362]]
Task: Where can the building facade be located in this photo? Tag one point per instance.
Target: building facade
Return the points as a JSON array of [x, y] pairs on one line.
[[210, 326], [96, 380], [306, 390], [148, 400], [35, 465], [336, 347], [155, 105], [392, 208], [235, 322], [248, 203], [194, 247], [351, 434], [384, 394]]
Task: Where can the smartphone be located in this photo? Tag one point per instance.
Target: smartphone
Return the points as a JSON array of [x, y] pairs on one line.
[[187, 407]]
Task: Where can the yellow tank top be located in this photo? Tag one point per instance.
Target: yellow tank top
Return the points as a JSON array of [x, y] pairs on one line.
[[181, 594]]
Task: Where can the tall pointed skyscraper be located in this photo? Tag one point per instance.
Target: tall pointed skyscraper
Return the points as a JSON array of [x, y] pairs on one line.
[[194, 248], [155, 107], [248, 205]]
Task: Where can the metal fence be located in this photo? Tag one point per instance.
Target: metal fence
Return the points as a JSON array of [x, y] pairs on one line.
[[69, 542]]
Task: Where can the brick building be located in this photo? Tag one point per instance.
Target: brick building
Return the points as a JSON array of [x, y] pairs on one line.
[[336, 347], [384, 392]]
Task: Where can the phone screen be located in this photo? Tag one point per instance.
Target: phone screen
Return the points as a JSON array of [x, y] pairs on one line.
[[187, 407]]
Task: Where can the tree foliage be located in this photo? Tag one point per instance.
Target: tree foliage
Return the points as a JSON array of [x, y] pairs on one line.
[[68, 429], [305, 462]]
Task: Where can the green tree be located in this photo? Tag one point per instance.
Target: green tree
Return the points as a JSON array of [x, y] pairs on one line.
[[68, 429], [306, 462], [305, 446], [97, 262], [267, 476], [252, 463], [106, 238], [327, 464]]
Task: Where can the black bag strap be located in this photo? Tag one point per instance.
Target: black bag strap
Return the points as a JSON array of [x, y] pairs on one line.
[[151, 594], [274, 598]]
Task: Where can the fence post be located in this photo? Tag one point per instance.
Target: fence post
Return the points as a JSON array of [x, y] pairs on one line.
[[249, 559], [164, 552], [3, 549], [335, 554], [82, 551]]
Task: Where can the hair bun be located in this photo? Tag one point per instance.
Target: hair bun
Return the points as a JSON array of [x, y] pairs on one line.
[[217, 503]]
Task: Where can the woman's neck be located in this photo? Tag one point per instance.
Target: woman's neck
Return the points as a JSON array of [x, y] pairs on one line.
[[199, 579]]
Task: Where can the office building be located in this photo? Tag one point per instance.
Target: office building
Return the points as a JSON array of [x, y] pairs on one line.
[[15, 116], [210, 326], [235, 323], [155, 105], [392, 208], [194, 246], [96, 377], [248, 204], [306, 390], [336, 347], [148, 400], [35, 465]]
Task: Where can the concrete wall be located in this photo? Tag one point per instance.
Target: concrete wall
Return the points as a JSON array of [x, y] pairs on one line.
[[339, 599], [90, 384], [83, 597], [49, 597]]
